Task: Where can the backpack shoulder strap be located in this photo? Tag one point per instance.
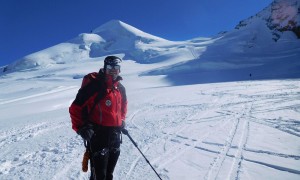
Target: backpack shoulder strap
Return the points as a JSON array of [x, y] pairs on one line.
[[123, 92]]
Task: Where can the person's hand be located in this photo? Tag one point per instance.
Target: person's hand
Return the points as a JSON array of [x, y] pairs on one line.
[[86, 132], [124, 131]]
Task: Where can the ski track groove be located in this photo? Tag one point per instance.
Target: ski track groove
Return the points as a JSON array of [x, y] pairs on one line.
[[135, 162], [273, 125], [182, 147], [147, 147], [218, 161], [131, 118], [175, 133], [280, 168], [184, 143], [217, 164], [295, 157], [187, 145], [236, 169], [53, 91]]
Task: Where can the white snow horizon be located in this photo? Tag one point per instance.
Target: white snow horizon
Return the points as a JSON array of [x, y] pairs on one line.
[[223, 107]]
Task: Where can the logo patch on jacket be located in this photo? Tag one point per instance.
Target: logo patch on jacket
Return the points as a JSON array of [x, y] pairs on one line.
[[108, 102]]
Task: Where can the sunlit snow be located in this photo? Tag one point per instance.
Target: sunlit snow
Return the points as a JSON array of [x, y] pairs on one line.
[[224, 107]]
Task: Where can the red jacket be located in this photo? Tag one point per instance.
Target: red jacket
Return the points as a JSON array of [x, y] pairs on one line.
[[109, 110]]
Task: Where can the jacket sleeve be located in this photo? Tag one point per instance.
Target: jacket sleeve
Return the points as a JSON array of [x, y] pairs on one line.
[[76, 116]]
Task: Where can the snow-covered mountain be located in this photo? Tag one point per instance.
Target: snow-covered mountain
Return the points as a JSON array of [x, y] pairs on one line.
[[264, 46], [280, 16], [115, 37]]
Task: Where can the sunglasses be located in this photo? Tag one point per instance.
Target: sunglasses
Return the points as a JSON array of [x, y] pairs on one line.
[[116, 67]]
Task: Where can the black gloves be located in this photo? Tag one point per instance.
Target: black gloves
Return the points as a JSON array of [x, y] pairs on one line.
[[123, 125], [124, 131], [86, 132]]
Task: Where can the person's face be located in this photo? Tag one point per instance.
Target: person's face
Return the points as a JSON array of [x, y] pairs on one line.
[[113, 70]]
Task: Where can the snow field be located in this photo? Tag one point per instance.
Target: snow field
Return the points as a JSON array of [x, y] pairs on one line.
[[234, 130]]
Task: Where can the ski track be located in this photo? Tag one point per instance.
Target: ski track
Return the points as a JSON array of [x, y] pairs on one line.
[[174, 135], [180, 148], [54, 91], [238, 157], [183, 144], [241, 119], [148, 146], [215, 167]]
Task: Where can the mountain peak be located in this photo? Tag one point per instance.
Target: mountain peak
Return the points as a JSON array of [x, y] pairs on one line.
[[111, 24], [280, 16], [120, 29]]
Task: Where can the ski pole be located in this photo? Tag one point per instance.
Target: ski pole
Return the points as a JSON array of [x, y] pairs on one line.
[[124, 131]]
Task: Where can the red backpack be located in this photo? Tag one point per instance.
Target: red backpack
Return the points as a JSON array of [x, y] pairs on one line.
[[88, 78]]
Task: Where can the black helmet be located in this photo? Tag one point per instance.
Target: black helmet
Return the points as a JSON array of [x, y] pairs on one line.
[[112, 60]]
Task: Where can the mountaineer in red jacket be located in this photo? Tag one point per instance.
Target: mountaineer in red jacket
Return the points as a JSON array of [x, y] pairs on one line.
[[98, 116]]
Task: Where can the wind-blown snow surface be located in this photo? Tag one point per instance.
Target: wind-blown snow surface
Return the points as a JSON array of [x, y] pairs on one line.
[[236, 130]]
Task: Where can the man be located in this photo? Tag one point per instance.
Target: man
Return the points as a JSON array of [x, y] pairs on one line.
[[98, 115]]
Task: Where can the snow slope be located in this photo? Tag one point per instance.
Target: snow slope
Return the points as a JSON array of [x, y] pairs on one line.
[[236, 130]]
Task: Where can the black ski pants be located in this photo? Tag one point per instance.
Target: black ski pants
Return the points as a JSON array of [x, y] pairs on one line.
[[105, 148]]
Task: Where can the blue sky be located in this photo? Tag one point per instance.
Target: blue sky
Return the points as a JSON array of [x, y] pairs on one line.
[[27, 26]]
